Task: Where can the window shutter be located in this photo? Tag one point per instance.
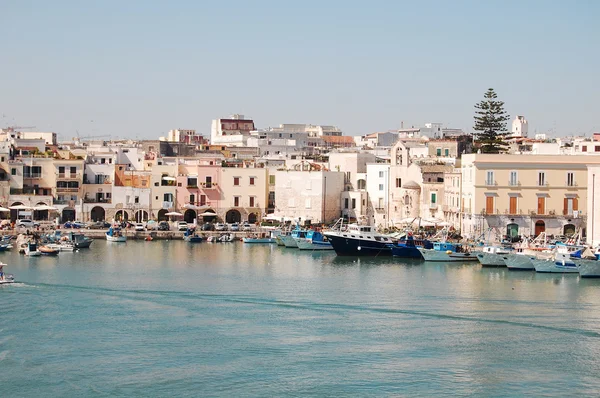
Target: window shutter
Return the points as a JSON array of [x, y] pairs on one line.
[[575, 204]]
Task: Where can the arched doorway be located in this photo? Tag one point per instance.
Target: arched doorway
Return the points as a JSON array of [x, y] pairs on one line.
[[189, 216], [141, 216], [40, 214], [97, 213], [512, 230], [162, 216], [121, 215], [68, 214], [14, 213], [252, 218], [569, 230], [540, 227], [233, 216]]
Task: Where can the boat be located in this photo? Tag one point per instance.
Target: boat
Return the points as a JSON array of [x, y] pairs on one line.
[[80, 241], [191, 237], [31, 250], [587, 263], [522, 255], [63, 246], [115, 235], [552, 264], [314, 240], [448, 252], [5, 278], [359, 240], [408, 247], [289, 238], [48, 251], [225, 238], [493, 256], [5, 246]]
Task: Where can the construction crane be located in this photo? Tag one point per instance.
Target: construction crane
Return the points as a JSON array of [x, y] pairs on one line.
[[13, 128], [79, 138]]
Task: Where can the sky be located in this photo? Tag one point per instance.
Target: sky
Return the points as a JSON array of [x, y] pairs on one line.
[[136, 69]]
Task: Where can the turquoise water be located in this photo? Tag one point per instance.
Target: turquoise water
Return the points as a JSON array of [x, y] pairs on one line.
[[158, 319]]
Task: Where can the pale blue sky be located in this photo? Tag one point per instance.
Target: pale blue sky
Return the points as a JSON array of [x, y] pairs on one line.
[[139, 68]]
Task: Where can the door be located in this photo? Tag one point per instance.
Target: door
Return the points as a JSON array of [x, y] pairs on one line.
[[540, 227], [541, 206], [489, 205], [512, 205]]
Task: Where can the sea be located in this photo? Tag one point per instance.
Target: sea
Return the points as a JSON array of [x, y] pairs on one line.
[[175, 319]]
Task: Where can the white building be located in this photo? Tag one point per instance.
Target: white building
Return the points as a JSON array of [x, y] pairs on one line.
[[520, 127], [378, 191], [233, 131], [593, 200]]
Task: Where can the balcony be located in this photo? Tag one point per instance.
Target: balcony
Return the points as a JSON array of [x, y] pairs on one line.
[[65, 189], [32, 175], [68, 176], [514, 183], [491, 183], [208, 185]]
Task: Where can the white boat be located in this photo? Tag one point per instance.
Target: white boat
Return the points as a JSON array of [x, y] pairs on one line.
[[314, 240], [31, 250], [588, 264], [523, 253], [5, 278], [262, 237], [447, 252], [63, 246], [553, 265], [492, 256], [115, 235]]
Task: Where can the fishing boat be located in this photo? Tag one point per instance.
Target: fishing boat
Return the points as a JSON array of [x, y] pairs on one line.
[[448, 252], [545, 263], [522, 255], [289, 238], [48, 251], [359, 240], [587, 263], [31, 249], [262, 237], [79, 241], [5, 278], [493, 256], [226, 238], [63, 246], [191, 237], [114, 234], [408, 247], [4, 246], [314, 240]]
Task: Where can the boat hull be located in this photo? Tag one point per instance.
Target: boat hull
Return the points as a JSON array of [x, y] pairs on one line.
[[116, 238], [258, 240], [307, 244], [518, 262], [406, 252], [491, 259], [289, 241], [587, 268], [345, 246], [443, 256], [553, 266]]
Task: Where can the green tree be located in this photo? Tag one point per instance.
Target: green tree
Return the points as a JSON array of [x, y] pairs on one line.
[[490, 122]]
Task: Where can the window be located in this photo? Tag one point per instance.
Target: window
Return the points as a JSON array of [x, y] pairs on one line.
[[136, 199], [73, 170], [192, 198], [13, 172], [398, 182], [597, 149], [380, 203], [208, 182], [252, 180], [202, 200], [541, 180], [570, 179], [433, 198], [354, 203], [584, 148], [307, 203], [236, 201], [192, 182], [251, 201], [271, 180], [346, 203], [381, 174], [570, 205], [446, 152], [291, 202], [541, 209], [438, 152], [489, 179], [61, 170], [381, 187], [236, 181], [513, 178]]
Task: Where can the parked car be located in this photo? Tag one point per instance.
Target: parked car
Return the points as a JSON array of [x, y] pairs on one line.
[[99, 225], [163, 226], [246, 227], [208, 226], [27, 223], [151, 225], [182, 226], [74, 224], [234, 227], [220, 226], [139, 226]]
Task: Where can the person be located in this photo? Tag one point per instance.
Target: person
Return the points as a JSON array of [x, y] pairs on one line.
[[1, 272]]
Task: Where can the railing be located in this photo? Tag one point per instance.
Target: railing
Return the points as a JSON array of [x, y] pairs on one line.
[[68, 175], [208, 185], [32, 175], [63, 189], [490, 182], [192, 186], [514, 183]]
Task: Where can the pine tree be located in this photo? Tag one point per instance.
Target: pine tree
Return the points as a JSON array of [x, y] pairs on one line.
[[490, 121]]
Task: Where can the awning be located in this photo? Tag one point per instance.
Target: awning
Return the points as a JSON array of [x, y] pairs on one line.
[[167, 178]]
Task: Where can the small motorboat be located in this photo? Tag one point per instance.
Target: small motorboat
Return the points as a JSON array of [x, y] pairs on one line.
[[48, 251], [115, 235], [227, 238], [191, 237], [63, 246], [5, 278], [31, 249], [80, 241]]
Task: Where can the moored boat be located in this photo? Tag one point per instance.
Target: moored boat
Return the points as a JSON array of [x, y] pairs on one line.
[[359, 240], [114, 234], [587, 263], [79, 241], [448, 252], [191, 237], [314, 240], [493, 256], [408, 247], [48, 251], [553, 265], [31, 249]]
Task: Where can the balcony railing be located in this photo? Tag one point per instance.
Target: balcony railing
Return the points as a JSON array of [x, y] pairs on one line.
[[490, 182], [208, 185], [32, 175], [68, 176], [63, 189], [167, 205], [514, 183], [94, 200]]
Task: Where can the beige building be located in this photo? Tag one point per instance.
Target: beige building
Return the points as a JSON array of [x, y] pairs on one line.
[[524, 195], [244, 194], [593, 201]]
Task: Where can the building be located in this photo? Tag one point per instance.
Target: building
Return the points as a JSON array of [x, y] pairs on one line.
[[520, 127], [524, 195], [233, 131], [593, 200]]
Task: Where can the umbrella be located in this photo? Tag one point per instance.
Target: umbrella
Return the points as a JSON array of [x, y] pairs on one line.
[[191, 206], [20, 207], [444, 224], [167, 178], [407, 220], [173, 213], [4, 209], [272, 217], [207, 214], [44, 207]]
